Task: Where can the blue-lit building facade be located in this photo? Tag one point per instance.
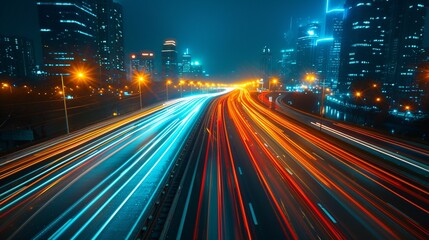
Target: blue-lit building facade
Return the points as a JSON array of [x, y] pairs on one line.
[[382, 43], [334, 31], [288, 66], [364, 44], [407, 23], [306, 47], [169, 63], [69, 35], [110, 41], [324, 69], [185, 68]]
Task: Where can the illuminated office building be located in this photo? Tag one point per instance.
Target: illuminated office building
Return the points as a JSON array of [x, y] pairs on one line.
[[364, 42], [169, 66], [110, 41], [407, 23], [69, 35]]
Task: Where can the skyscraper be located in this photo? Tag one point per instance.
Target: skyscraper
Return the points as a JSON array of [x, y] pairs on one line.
[[266, 64], [407, 22], [323, 64], [364, 43], [16, 57], [334, 30], [148, 63], [305, 48], [68, 33], [186, 64], [169, 68], [288, 66], [110, 41]]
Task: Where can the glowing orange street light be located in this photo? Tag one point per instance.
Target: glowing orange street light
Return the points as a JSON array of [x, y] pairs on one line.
[[407, 107], [8, 86], [274, 81], [358, 94], [378, 99], [140, 79], [166, 87]]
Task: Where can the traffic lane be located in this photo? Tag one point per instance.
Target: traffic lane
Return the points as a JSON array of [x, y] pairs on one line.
[[259, 196], [85, 183], [295, 187], [393, 210], [197, 219], [191, 107], [219, 212], [182, 210]]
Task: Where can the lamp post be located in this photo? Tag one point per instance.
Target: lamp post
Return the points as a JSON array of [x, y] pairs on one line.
[[140, 79], [274, 81], [65, 104], [8, 86], [166, 87]]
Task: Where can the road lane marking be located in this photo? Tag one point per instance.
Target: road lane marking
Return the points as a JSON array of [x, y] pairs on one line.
[[239, 170], [255, 221], [327, 213]]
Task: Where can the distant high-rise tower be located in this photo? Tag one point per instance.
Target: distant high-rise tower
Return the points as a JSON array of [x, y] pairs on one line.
[[407, 23], [334, 30], [323, 63], [363, 44], [288, 66], [148, 63], [305, 48], [266, 64], [16, 57], [186, 63], [68, 33], [169, 60], [110, 41], [142, 63]]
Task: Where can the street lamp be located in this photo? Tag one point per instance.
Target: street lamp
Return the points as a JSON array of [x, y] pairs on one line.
[[80, 75], [358, 94], [8, 86], [65, 104], [140, 79], [166, 87], [274, 81]]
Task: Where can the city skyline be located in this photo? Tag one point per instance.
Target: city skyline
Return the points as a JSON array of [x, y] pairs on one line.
[[212, 29]]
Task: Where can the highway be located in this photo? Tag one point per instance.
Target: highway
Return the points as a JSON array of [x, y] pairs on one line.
[[251, 173], [259, 174], [98, 182]]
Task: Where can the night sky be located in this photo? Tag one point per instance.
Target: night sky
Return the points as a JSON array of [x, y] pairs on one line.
[[225, 35]]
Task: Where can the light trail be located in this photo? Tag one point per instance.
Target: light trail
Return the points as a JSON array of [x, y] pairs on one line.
[[420, 167], [126, 158], [371, 212]]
